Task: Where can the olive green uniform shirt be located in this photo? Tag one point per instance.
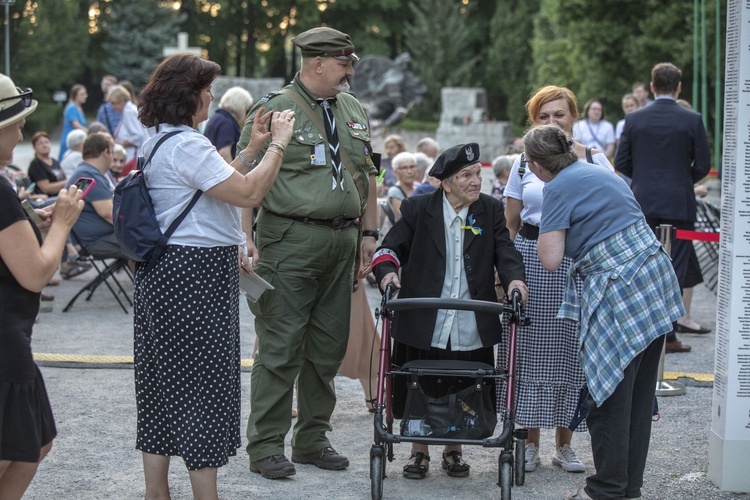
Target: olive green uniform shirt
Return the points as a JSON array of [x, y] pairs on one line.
[[303, 188]]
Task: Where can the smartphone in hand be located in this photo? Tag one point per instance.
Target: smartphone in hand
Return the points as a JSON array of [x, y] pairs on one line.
[[31, 212], [84, 184]]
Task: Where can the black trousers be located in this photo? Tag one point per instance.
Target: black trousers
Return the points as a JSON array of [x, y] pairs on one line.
[[620, 429], [680, 254]]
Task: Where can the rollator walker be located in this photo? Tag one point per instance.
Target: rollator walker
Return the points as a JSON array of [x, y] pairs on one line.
[[459, 417]]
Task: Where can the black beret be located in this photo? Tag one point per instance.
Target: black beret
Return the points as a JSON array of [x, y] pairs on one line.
[[454, 159], [325, 42]]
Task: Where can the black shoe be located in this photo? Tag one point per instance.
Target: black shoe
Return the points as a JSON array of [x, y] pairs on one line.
[[418, 466], [695, 331], [454, 464], [325, 458], [273, 467]]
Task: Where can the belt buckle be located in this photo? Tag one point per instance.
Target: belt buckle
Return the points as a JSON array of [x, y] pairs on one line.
[[338, 222]]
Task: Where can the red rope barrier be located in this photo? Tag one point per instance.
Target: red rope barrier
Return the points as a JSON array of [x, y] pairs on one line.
[[684, 234]]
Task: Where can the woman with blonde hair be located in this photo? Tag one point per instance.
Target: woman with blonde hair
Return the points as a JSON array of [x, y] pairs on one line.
[[130, 132], [550, 376]]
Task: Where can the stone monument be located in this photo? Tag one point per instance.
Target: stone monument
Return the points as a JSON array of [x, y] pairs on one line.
[[464, 119], [258, 87]]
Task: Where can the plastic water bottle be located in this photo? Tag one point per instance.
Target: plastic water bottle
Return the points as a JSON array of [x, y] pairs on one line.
[[415, 428]]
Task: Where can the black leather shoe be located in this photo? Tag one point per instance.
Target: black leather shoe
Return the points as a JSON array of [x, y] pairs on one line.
[[695, 331], [325, 458], [273, 467]]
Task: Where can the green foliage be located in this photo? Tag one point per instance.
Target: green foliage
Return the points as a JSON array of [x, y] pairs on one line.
[[438, 39], [137, 31], [429, 127], [47, 54], [509, 59]]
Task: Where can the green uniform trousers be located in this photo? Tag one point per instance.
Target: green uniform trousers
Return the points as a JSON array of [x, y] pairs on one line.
[[302, 327]]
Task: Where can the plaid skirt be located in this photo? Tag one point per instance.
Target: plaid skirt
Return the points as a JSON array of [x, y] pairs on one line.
[[549, 373]]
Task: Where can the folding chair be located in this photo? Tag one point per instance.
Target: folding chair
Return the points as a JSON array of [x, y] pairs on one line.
[[104, 271]]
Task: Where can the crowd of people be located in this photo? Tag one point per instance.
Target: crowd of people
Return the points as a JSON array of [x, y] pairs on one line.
[[295, 183]]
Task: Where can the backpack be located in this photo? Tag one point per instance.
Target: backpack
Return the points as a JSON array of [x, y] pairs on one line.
[[133, 217]]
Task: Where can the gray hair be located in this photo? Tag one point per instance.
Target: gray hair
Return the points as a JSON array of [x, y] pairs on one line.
[[119, 148], [503, 163], [402, 158], [236, 100], [75, 138], [548, 146], [424, 163]]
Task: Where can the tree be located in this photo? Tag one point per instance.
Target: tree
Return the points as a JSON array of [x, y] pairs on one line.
[[48, 47], [136, 32], [438, 40], [509, 61]]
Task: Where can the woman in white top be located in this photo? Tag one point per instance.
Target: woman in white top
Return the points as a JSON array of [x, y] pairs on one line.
[[130, 132], [187, 347], [550, 375], [405, 167], [593, 130], [629, 104]]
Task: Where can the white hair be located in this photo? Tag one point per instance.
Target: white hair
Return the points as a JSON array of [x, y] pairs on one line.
[[75, 138], [402, 158], [236, 100], [120, 149]]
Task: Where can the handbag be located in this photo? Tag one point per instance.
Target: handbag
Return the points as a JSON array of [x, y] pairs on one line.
[[133, 217], [468, 413]]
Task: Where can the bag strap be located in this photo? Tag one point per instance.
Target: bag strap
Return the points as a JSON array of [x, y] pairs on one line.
[[589, 158], [345, 158], [159, 143], [162, 243]]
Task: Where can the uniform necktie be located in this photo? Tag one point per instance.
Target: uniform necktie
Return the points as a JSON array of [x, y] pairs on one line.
[[333, 144]]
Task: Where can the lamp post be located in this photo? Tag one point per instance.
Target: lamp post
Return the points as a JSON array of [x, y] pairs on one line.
[[7, 4]]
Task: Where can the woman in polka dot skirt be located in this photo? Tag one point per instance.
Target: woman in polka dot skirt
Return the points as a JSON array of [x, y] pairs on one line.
[[187, 347]]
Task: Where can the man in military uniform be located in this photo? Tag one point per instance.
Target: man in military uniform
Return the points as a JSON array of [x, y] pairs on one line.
[[307, 232]]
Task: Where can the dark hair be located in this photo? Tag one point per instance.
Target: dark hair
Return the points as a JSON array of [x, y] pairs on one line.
[[548, 146], [95, 145], [173, 94], [588, 105], [665, 78]]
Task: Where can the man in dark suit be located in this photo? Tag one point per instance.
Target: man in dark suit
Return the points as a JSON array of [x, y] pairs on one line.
[[448, 244], [664, 150]]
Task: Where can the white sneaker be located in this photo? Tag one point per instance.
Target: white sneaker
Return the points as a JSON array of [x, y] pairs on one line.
[[532, 457], [566, 458]]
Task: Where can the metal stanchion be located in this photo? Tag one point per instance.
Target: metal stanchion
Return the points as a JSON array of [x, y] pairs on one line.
[[667, 387]]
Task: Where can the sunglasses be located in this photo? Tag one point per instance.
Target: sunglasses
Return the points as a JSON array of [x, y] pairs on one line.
[[24, 95]]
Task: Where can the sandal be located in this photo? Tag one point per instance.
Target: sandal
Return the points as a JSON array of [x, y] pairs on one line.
[[417, 466], [73, 271], [454, 464], [579, 494]]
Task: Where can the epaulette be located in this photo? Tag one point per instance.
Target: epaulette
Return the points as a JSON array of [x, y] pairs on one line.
[[268, 96]]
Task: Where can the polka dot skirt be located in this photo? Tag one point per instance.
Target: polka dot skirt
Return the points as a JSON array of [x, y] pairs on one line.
[[187, 356]]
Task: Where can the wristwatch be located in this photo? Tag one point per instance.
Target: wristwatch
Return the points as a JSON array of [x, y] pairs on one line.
[[375, 233]]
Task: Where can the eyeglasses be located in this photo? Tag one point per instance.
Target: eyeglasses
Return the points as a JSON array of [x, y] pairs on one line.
[[24, 95]]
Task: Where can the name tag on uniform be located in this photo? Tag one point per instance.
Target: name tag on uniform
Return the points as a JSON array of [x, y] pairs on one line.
[[319, 155]]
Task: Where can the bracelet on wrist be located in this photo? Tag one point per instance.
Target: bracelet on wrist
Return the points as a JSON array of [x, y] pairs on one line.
[[278, 145], [276, 152], [248, 164]]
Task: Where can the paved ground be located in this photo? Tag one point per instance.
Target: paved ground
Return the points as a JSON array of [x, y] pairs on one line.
[[94, 455]]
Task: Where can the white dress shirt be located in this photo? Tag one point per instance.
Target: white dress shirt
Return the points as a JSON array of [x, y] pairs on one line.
[[458, 326]]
